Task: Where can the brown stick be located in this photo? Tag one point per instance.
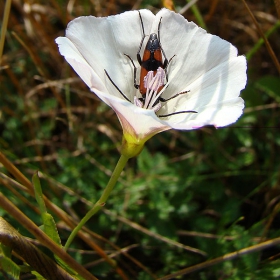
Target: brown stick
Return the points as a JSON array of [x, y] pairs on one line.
[[43, 238], [38, 261]]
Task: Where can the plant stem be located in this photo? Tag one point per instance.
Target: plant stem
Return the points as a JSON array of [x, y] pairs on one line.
[[102, 200]]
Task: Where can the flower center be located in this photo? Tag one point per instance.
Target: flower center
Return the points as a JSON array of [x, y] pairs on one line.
[[154, 85]]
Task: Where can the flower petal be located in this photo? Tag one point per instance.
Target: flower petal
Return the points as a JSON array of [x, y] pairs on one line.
[[103, 42], [210, 94], [195, 50], [140, 123], [79, 64], [218, 115], [203, 64]]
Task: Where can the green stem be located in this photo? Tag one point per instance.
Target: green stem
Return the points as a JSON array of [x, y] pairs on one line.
[[102, 200]]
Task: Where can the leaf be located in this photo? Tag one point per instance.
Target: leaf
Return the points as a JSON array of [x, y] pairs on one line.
[[50, 228], [9, 267], [38, 193], [38, 275]]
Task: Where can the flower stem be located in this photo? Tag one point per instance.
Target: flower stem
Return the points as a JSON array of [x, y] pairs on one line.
[[102, 200]]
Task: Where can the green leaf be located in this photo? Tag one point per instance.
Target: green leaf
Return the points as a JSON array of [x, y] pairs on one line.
[[68, 269], [38, 193], [11, 269], [38, 275], [49, 227], [5, 250]]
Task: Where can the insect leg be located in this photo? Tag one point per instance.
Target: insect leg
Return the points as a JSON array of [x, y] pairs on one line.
[[134, 70], [165, 69], [174, 96], [116, 86], [176, 113], [165, 63]]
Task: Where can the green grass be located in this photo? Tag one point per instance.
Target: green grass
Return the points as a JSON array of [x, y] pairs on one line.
[[213, 190]]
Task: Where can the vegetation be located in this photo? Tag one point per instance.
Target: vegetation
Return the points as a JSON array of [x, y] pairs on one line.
[[216, 191]]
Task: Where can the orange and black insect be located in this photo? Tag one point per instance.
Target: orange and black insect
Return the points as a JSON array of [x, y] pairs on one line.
[[152, 58], [151, 61]]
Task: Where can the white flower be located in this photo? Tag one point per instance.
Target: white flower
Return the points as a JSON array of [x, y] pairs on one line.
[[204, 68]]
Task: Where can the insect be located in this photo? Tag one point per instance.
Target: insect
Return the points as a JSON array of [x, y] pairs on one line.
[[153, 73], [152, 57]]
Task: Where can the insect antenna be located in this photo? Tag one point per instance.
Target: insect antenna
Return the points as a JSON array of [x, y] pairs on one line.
[[142, 40]]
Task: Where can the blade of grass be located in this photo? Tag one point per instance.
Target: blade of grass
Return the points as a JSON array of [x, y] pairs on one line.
[[277, 6], [268, 46], [226, 257], [8, 206], [198, 15], [4, 26], [260, 42]]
